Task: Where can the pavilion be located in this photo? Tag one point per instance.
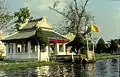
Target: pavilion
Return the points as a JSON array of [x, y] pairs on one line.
[[23, 45]]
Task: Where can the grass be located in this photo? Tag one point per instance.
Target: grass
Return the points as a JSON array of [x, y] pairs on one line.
[[23, 65], [104, 56]]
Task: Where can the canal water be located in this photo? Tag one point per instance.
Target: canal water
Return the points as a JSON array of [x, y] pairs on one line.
[[101, 68]]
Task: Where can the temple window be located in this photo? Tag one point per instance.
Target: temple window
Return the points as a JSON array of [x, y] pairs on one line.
[[60, 48], [19, 48], [52, 48]]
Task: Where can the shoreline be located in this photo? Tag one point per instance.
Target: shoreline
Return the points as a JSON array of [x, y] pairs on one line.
[[14, 65], [105, 56]]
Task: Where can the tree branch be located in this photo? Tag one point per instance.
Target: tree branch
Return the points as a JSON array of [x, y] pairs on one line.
[[76, 8], [83, 9], [60, 13]]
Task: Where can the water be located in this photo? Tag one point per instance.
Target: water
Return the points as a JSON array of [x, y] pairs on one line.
[[102, 68]]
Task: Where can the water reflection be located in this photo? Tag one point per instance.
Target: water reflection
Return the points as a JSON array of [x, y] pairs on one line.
[[102, 68], [107, 68]]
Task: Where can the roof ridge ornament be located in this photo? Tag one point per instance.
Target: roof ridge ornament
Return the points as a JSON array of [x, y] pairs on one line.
[[44, 23]]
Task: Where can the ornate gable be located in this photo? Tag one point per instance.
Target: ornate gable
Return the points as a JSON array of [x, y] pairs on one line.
[[39, 23], [43, 23]]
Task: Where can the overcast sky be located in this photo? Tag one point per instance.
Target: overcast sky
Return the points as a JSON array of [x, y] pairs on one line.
[[106, 12]]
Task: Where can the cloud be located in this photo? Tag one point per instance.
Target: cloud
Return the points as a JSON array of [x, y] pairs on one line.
[[37, 5], [40, 8], [106, 12]]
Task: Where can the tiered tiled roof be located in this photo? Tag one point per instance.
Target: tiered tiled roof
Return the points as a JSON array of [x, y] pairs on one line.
[[30, 29]]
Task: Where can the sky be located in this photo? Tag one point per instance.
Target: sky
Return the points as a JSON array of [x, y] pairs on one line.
[[106, 13]]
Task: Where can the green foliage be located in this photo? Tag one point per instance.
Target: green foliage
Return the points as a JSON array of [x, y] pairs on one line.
[[78, 42], [105, 56], [41, 37], [22, 15], [114, 43], [17, 26], [13, 65]]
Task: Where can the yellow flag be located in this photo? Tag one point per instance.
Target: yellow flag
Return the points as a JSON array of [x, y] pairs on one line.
[[95, 28]]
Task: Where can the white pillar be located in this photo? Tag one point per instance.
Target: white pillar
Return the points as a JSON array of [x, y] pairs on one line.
[[38, 51], [7, 49], [64, 48], [57, 48], [14, 50], [47, 52], [29, 48]]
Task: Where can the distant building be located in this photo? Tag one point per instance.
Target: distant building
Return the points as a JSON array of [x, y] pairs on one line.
[[19, 46]]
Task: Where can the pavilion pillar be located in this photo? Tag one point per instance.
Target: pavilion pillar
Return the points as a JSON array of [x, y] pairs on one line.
[[7, 49], [14, 50], [64, 48], [47, 52], [29, 48]]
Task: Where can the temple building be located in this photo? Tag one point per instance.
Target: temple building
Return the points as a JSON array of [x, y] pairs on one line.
[[22, 45]]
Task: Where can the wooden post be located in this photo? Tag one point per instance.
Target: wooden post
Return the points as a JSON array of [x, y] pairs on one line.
[[73, 57]]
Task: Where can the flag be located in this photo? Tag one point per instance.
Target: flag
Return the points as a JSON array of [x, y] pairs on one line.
[[95, 28]]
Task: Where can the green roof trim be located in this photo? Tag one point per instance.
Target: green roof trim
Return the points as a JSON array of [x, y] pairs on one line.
[[54, 35], [21, 35]]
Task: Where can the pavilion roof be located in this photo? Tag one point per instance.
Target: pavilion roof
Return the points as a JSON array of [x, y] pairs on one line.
[[29, 30]]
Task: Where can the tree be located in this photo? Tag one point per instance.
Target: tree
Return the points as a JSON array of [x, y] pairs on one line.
[[101, 46], [22, 15], [5, 16], [113, 45], [78, 43], [41, 37], [75, 16]]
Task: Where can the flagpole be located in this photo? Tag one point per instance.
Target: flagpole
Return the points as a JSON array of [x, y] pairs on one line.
[[93, 46], [94, 29], [87, 43]]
